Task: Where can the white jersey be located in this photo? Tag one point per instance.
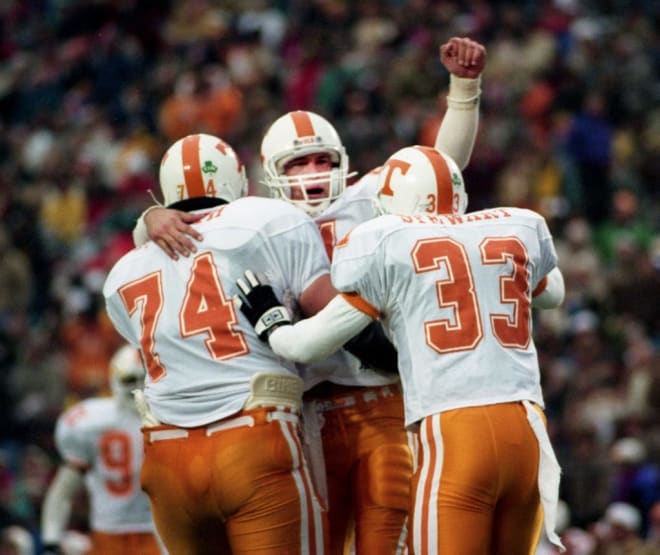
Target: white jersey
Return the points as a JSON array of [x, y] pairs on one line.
[[100, 437], [199, 349], [455, 292], [354, 206]]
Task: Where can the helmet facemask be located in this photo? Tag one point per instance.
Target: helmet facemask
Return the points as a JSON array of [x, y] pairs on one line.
[[296, 135], [297, 189]]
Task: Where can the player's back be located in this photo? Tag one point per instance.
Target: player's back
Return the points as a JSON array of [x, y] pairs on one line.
[[100, 437], [456, 293], [200, 350]]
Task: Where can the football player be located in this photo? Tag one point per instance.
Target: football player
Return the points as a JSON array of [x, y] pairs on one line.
[[455, 291], [100, 443], [365, 464], [366, 454], [214, 391]]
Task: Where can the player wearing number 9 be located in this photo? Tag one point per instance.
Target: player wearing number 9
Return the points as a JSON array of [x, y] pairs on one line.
[[100, 444], [456, 292]]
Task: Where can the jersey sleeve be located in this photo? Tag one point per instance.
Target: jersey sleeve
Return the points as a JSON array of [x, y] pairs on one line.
[[300, 253], [548, 253], [357, 266], [140, 235], [70, 437], [114, 306]]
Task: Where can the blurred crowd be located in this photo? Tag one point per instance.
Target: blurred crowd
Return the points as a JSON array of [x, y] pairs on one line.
[[93, 92]]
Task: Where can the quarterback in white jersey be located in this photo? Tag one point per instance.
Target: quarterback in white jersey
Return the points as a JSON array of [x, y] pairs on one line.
[[455, 291], [366, 457], [214, 390], [100, 442]]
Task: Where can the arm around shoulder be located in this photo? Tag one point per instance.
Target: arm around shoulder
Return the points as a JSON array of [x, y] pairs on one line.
[[140, 235]]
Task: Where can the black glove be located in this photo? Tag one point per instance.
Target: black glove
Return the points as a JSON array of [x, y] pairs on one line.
[[51, 549], [260, 305], [374, 349]]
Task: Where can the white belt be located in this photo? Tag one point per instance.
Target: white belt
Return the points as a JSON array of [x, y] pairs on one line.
[[245, 420]]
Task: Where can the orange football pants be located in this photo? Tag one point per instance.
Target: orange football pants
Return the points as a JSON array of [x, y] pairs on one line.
[[239, 486], [368, 466], [475, 490], [143, 543]]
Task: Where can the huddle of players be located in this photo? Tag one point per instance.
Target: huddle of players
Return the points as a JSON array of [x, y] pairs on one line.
[[376, 467]]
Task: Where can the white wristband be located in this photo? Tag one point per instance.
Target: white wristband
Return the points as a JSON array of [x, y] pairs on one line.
[[277, 315], [464, 93]]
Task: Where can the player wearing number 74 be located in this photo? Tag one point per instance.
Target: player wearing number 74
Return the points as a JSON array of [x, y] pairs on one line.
[[456, 292]]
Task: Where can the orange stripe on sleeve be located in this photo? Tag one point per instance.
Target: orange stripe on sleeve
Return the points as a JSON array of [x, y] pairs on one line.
[[192, 167], [363, 306], [540, 287]]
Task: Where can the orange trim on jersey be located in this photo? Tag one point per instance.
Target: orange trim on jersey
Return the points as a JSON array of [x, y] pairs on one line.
[[192, 167], [442, 180], [540, 287], [358, 302], [343, 241], [303, 123]]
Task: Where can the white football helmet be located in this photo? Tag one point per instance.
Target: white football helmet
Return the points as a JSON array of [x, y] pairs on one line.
[[201, 166], [296, 134], [126, 374], [421, 180]]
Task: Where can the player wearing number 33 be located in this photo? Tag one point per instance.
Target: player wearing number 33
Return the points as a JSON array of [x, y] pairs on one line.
[[455, 291]]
